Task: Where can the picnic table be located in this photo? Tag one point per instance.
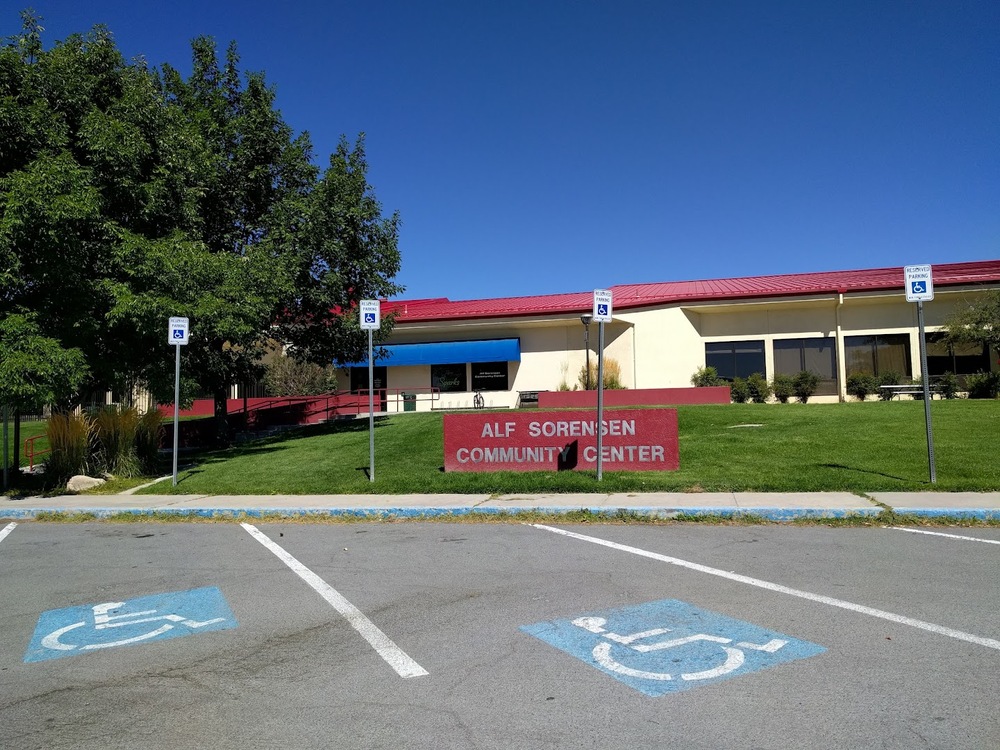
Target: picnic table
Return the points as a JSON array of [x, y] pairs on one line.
[[910, 390]]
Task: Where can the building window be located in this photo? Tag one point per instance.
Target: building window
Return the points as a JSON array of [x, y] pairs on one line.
[[957, 358], [735, 359], [449, 378], [878, 354], [817, 355], [489, 376]]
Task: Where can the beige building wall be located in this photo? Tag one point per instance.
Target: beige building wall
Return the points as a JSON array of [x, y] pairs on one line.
[[663, 347]]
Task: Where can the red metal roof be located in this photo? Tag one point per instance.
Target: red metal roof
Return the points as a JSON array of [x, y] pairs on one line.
[[627, 296]]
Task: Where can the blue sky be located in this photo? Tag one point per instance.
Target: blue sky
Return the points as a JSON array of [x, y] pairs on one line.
[[544, 147]]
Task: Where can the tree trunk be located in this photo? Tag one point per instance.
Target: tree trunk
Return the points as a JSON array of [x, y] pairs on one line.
[[222, 436]]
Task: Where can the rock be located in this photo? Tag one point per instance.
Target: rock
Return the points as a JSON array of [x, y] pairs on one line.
[[79, 483]]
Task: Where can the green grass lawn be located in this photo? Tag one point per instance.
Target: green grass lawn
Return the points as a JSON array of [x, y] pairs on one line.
[[815, 447]]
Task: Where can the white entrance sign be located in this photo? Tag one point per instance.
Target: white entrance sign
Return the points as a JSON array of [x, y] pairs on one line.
[[919, 283], [602, 305], [371, 315], [177, 331]]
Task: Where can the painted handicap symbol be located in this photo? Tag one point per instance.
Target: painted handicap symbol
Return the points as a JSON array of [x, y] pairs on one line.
[[668, 646], [734, 657], [103, 619], [77, 630]]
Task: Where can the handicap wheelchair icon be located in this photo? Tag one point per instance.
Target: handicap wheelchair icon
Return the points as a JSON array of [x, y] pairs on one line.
[[104, 619], [734, 656]]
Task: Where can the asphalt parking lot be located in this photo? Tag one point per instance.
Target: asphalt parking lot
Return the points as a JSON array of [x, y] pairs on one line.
[[497, 636]]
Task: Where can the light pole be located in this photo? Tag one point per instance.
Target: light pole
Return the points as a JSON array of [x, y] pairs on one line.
[[585, 319]]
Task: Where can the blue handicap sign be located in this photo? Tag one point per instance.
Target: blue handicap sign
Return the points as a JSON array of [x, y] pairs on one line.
[[918, 287], [602, 309], [668, 646], [369, 317], [178, 333], [80, 630]]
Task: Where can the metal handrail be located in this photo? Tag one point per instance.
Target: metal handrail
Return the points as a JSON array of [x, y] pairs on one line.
[[30, 452]]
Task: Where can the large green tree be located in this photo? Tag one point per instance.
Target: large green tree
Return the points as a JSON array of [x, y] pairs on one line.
[[128, 195]]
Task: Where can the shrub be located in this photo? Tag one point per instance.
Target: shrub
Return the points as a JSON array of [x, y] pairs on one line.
[[783, 387], [705, 377], [861, 385], [284, 376], [759, 388], [983, 385], [148, 436], [739, 391], [113, 441], [612, 375], [806, 383], [948, 385], [889, 377], [69, 438]]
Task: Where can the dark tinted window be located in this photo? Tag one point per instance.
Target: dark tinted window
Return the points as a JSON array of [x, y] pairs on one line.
[[489, 376], [732, 359], [818, 355], [449, 378]]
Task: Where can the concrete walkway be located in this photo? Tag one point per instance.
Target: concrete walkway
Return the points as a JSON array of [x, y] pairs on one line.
[[770, 506]]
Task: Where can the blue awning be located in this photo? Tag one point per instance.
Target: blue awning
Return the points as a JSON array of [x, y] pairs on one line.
[[447, 353]]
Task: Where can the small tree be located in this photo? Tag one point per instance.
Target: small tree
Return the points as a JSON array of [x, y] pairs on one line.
[[978, 322], [783, 387], [35, 371], [760, 389], [805, 385]]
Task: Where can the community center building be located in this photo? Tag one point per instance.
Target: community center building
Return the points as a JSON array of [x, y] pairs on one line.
[[444, 353]]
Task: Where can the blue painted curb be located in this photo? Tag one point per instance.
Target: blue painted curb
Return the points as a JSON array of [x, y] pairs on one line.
[[768, 514]]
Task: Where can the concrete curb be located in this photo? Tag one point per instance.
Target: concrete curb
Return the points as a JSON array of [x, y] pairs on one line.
[[979, 514], [778, 515]]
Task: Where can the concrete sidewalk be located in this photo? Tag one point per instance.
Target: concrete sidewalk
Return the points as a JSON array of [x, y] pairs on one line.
[[770, 506]]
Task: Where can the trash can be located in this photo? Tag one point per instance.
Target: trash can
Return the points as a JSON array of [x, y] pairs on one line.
[[409, 402]]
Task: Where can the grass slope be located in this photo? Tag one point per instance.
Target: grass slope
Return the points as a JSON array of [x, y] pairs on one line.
[[816, 447]]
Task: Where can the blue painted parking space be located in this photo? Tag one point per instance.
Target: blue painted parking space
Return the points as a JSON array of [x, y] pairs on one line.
[[668, 646], [83, 629]]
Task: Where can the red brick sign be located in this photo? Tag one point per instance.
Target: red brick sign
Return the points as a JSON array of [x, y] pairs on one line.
[[632, 440]]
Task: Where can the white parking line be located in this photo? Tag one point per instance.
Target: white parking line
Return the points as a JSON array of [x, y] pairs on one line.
[[6, 530], [394, 656], [949, 536], [776, 587]]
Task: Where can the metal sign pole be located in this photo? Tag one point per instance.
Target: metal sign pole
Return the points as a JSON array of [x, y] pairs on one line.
[[177, 399], [371, 410], [600, 400], [927, 393], [6, 459]]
